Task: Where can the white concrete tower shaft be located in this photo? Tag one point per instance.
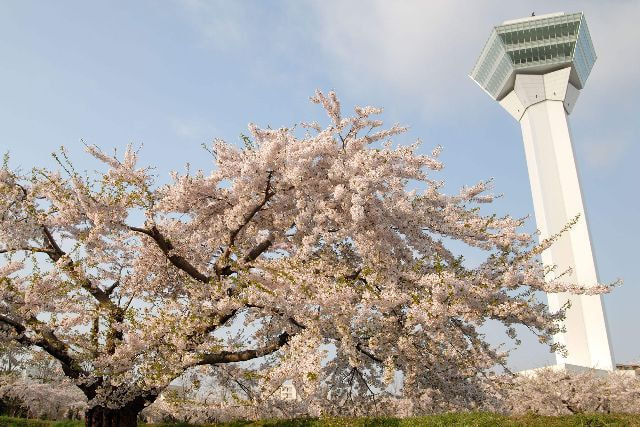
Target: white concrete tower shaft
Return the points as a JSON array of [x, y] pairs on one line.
[[535, 67], [542, 103]]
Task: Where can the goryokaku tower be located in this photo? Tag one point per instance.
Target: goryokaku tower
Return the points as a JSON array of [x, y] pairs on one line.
[[535, 68]]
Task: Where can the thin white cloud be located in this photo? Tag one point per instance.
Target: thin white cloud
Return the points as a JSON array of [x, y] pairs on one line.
[[192, 129], [421, 52], [430, 47], [425, 50], [220, 23]]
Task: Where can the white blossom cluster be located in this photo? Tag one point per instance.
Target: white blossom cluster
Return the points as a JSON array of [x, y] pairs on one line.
[[551, 392]]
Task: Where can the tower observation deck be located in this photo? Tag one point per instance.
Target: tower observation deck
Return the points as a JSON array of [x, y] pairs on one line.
[[535, 68]]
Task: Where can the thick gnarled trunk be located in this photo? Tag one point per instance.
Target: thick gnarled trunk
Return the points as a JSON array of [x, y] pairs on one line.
[[99, 416]]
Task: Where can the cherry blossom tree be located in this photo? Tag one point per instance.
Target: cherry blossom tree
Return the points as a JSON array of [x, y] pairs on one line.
[[29, 398], [305, 252], [551, 392]]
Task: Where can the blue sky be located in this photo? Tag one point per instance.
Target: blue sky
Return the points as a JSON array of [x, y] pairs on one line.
[[173, 74]]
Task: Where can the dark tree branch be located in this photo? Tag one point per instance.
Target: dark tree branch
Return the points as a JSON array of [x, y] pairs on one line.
[[109, 289], [355, 275], [244, 355], [268, 194], [55, 253], [47, 341], [244, 388], [27, 249], [114, 335], [344, 143], [296, 323], [364, 381], [166, 247], [257, 250], [112, 288], [254, 253], [290, 319], [217, 320], [181, 263], [115, 312], [17, 326], [368, 353]]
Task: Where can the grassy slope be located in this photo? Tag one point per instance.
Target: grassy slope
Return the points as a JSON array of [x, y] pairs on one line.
[[474, 419]]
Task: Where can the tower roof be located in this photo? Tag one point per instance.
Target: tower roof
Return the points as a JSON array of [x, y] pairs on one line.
[[535, 45]]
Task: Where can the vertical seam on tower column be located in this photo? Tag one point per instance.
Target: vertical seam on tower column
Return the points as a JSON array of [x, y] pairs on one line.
[[567, 217]]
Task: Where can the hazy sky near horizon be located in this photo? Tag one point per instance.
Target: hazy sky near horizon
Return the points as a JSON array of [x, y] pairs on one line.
[[173, 74]]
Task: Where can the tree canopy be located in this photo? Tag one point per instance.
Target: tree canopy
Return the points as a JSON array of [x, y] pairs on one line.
[[304, 251]]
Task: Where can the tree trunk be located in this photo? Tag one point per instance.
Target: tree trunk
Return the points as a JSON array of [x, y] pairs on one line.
[[99, 416]]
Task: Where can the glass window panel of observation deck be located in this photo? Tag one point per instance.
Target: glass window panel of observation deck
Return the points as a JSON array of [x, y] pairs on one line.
[[580, 66], [584, 56], [493, 55], [573, 28], [584, 39], [498, 77], [535, 54]]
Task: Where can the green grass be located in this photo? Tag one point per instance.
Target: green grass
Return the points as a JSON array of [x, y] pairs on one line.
[[24, 422], [454, 419]]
